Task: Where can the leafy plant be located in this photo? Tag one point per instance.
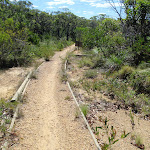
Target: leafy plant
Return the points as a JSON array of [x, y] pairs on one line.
[[124, 134], [111, 134], [3, 129], [96, 131], [8, 121]]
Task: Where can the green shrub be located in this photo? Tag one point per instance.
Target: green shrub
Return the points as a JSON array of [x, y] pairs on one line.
[[97, 85], [86, 61], [98, 61], [7, 105], [33, 38], [86, 85], [124, 72], [91, 74], [144, 65], [116, 60], [140, 81]]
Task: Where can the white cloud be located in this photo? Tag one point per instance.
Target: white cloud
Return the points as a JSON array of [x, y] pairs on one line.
[[88, 12], [61, 7], [34, 6], [90, 1], [58, 2], [50, 7], [105, 5]]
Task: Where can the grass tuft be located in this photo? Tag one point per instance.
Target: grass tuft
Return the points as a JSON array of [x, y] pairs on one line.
[[91, 74], [84, 109]]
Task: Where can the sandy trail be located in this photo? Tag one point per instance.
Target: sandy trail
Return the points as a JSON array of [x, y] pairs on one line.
[[49, 120]]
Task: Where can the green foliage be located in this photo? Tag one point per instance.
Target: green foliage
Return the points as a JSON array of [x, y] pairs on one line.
[[122, 89], [124, 135], [85, 62], [93, 85], [111, 134], [122, 50], [77, 113], [21, 26], [124, 72], [14, 50], [116, 60], [144, 65], [132, 120], [46, 48], [140, 80], [68, 98], [3, 129], [91, 74], [7, 105], [6, 112], [110, 24], [33, 38]]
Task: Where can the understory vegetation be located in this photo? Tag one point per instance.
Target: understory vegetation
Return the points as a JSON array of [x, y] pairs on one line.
[[128, 85], [7, 110], [120, 51]]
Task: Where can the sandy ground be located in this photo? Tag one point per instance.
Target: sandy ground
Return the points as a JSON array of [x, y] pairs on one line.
[[10, 79], [49, 120]]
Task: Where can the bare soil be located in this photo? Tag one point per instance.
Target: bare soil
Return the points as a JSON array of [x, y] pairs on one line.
[[10, 79], [101, 106], [49, 114]]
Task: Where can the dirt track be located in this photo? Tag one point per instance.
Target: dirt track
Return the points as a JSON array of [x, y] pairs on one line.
[[49, 120]]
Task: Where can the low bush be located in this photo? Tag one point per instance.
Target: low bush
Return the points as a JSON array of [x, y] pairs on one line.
[[6, 113], [86, 61], [47, 48], [144, 65], [98, 61], [124, 72], [91, 74], [140, 81]]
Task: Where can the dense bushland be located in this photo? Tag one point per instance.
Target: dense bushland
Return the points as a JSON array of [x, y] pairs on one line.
[[121, 50], [22, 28]]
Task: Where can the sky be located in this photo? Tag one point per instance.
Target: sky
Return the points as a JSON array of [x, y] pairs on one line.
[[81, 8]]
